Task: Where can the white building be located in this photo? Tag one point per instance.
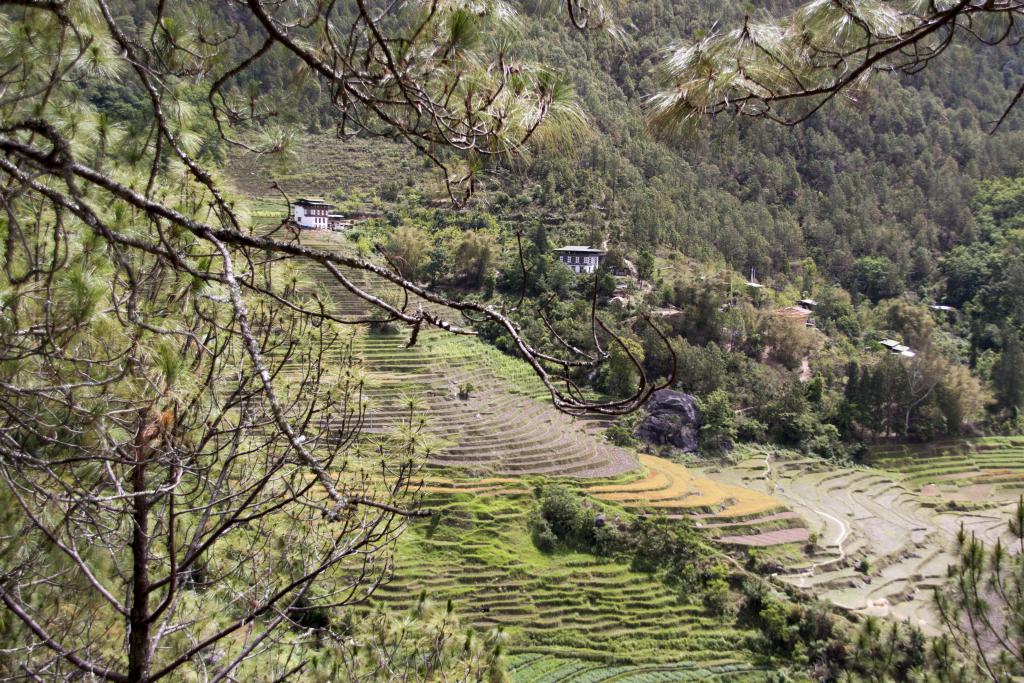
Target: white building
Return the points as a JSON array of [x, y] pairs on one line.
[[311, 213], [580, 259]]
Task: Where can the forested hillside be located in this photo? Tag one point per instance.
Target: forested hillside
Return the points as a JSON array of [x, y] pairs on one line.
[[888, 175], [882, 197]]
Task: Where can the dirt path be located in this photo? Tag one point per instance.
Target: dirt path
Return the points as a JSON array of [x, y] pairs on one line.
[[843, 528]]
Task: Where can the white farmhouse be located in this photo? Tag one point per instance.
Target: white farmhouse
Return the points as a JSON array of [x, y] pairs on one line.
[[312, 213], [580, 259]]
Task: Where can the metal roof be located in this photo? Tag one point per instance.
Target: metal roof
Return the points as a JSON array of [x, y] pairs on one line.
[[590, 250]]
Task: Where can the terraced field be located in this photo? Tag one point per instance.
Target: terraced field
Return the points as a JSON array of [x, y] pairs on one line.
[[736, 515], [873, 516], [571, 616], [506, 425], [963, 471], [879, 538], [319, 162], [534, 668]]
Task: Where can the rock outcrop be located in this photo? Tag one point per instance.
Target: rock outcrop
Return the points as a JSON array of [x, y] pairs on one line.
[[672, 418]]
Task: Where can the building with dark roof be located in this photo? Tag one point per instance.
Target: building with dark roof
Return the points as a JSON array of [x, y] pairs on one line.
[[312, 213]]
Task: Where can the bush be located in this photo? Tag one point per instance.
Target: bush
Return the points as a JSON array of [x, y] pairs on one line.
[[620, 436], [750, 429], [304, 614], [562, 521], [561, 510], [825, 442], [384, 327], [465, 390], [716, 590], [542, 535]]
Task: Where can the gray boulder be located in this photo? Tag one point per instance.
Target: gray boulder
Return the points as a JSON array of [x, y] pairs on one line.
[[672, 418]]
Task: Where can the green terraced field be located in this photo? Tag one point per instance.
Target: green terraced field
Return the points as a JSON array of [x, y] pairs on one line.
[[580, 617], [993, 467], [537, 668], [592, 617]]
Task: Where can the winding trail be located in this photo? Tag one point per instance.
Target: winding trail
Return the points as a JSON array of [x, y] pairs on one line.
[[844, 529]]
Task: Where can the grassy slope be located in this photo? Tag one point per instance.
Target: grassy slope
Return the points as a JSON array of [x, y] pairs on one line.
[[571, 616], [349, 172]]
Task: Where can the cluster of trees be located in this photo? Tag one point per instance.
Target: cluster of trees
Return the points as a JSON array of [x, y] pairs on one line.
[[672, 550], [459, 253], [924, 397]]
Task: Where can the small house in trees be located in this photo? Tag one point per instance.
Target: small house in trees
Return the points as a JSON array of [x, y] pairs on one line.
[[897, 348], [580, 259], [338, 221], [311, 213]]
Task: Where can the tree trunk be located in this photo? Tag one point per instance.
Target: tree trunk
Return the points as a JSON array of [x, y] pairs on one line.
[[138, 617]]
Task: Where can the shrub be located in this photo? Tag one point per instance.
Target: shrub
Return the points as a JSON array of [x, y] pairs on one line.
[[716, 590], [620, 436], [562, 521], [307, 615], [562, 511], [750, 429], [387, 327], [465, 390], [542, 535]]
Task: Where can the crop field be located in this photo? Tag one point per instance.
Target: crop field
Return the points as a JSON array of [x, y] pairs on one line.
[[736, 515], [879, 545], [965, 471], [874, 540], [503, 425], [579, 617], [572, 616], [315, 165], [536, 668]]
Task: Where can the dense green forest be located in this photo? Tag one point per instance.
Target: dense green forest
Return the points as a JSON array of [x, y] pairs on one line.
[[886, 202]]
